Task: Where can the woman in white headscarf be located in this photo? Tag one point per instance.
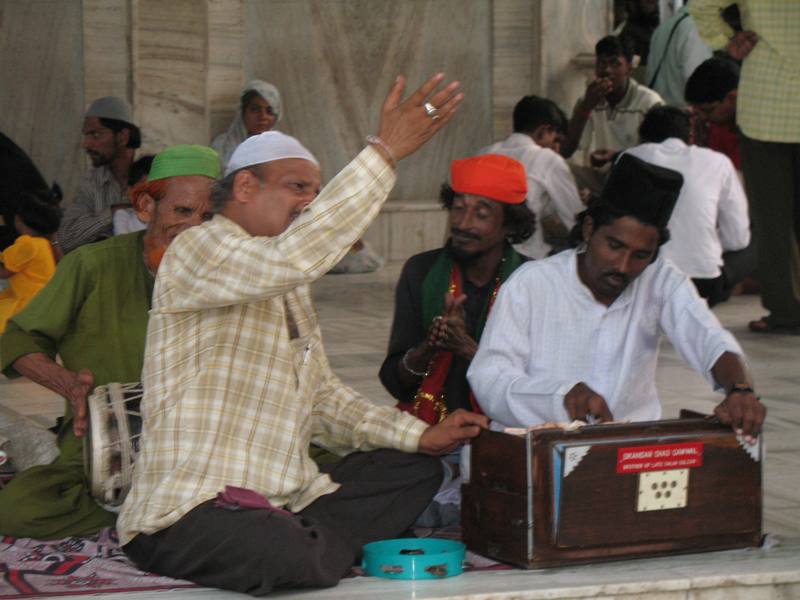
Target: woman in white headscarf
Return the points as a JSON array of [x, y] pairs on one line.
[[259, 111]]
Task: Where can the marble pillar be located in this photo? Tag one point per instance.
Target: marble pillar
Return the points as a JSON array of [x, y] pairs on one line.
[[170, 69], [569, 32], [543, 47], [107, 49], [225, 52], [515, 58]]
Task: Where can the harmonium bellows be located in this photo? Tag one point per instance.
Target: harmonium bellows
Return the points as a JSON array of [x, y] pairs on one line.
[[550, 497]]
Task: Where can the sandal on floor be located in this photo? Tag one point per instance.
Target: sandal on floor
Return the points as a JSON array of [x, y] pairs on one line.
[[763, 325]]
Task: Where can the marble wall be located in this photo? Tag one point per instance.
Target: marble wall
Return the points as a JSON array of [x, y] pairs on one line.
[[107, 49], [334, 62], [182, 65], [41, 84]]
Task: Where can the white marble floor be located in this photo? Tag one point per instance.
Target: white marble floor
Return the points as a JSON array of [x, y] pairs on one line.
[[356, 312]]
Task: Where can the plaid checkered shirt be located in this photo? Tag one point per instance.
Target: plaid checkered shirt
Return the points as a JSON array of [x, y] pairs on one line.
[[767, 106], [236, 379]]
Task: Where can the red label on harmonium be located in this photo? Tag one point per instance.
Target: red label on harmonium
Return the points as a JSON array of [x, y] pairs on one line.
[[663, 457]]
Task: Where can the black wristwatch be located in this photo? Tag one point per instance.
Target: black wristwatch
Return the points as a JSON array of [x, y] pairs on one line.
[[743, 388]]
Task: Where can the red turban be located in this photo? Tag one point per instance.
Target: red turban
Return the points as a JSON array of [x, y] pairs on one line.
[[492, 176]]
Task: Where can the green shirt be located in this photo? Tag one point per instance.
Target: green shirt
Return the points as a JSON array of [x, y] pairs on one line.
[[93, 313]]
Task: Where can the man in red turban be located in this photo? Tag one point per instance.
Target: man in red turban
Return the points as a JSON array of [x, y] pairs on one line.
[[444, 296]]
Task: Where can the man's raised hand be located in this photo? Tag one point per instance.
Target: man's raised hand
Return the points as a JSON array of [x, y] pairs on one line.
[[406, 125]]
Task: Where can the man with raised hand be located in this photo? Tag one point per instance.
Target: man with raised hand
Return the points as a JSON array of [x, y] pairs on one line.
[[237, 384]]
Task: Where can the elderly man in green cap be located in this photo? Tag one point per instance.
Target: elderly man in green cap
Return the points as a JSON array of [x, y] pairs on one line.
[[93, 314]]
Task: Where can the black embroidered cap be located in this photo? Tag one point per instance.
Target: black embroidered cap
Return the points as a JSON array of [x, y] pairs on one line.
[[642, 190]]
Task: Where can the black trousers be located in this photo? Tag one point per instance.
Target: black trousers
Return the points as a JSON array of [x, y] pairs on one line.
[[736, 266], [256, 551], [772, 178]]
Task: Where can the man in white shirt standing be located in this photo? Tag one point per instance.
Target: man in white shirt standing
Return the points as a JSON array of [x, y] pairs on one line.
[[710, 227], [552, 193], [576, 335]]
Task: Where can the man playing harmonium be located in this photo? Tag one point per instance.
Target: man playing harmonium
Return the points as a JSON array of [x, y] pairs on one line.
[[575, 336], [93, 315], [236, 381]]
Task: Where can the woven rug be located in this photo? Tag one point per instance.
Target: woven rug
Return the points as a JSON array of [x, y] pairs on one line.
[[73, 566], [83, 566]]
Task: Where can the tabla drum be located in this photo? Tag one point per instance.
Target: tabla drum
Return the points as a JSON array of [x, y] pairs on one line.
[[112, 441]]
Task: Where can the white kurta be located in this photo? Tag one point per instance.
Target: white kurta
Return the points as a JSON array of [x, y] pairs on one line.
[[551, 187], [710, 216], [546, 332]]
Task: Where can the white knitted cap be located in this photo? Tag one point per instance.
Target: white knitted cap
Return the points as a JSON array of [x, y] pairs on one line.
[[266, 147]]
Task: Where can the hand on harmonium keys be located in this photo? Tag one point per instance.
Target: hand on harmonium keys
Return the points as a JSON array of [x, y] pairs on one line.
[[743, 411], [582, 403]]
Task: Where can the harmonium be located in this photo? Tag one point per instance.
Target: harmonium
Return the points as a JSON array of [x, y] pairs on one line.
[[550, 496]]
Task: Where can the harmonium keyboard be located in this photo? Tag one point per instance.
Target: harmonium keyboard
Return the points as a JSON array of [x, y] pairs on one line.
[[551, 496]]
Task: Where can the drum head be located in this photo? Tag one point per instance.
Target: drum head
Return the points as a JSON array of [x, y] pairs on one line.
[[112, 441]]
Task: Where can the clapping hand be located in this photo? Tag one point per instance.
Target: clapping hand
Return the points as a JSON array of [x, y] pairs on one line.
[[453, 336]]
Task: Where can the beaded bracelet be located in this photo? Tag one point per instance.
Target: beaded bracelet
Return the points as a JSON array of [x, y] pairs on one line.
[[409, 369], [374, 139]]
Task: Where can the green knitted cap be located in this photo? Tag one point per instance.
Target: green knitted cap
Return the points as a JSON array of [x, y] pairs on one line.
[[185, 159]]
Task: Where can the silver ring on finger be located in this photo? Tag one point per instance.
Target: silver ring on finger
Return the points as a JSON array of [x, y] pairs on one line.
[[431, 110]]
